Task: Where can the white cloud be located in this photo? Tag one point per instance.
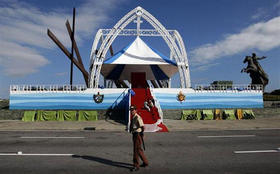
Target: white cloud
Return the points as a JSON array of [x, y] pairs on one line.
[[61, 74], [19, 60], [23, 29], [260, 13], [277, 5], [204, 66], [262, 36]]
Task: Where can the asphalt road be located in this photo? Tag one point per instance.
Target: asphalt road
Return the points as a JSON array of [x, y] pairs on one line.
[[111, 152]]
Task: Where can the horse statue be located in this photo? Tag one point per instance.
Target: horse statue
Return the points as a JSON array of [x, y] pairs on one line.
[[257, 74]]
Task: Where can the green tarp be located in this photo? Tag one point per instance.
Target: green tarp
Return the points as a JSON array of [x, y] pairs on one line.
[[87, 116], [190, 115], [229, 115], [198, 114], [248, 114], [66, 115], [29, 116], [46, 115], [207, 114]]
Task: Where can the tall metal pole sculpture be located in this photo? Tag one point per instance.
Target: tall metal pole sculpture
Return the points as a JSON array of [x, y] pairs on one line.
[[72, 48]]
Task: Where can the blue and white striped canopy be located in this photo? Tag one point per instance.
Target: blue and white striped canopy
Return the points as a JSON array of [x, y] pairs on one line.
[[139, 57]]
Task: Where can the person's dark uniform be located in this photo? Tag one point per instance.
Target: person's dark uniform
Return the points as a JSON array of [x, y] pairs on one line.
[[137, 130]]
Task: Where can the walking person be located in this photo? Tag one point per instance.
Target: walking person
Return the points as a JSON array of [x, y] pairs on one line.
[[137, 130]]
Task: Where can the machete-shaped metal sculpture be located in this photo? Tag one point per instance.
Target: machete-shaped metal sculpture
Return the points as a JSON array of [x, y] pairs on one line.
[[79, 62]]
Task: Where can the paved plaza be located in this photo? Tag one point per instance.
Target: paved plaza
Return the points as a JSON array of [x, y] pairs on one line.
[[215, 151]]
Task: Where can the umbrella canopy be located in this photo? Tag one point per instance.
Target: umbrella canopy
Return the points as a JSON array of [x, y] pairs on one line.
[[138, 57]]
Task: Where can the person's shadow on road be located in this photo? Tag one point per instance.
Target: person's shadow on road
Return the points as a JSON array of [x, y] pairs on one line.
[[104, 161]]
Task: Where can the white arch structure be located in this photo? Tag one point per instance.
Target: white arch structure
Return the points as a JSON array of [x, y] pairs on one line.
[[105, 37]]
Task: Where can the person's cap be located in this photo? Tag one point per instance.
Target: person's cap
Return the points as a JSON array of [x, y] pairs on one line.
[[132, 107]]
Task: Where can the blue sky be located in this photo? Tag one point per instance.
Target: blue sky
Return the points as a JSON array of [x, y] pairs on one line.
[[218, 34]]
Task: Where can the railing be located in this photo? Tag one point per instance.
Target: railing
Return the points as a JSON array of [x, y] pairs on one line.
[[42, 88], [134, 32], [200, 87], [208, 87], [120, 97]]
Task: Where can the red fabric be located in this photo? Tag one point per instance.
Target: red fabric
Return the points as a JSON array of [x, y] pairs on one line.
[[149, 117], [163, 127], [138, 80]]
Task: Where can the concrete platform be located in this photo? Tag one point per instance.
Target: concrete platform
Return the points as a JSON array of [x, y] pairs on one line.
[[173, 125]]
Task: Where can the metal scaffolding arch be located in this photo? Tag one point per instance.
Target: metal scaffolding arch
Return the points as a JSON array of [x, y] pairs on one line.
[[105, 37]]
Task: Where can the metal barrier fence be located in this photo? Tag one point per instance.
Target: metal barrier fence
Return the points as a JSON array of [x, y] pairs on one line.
[[228, 87], [41, 88], [198, 88]]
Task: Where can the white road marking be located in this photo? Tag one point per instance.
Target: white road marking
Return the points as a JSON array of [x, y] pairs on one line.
[[34, 154], [259, 151], [226, 136], [53, 137]]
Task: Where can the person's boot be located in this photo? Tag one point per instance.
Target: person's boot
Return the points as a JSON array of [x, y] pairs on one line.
[[144, 165], [134, 169]]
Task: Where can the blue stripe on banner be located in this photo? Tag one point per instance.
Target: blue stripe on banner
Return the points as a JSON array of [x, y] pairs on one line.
[[158, 73], [60, 105], [222, 94], [60, 96], [53, 98], [73, 107], [54, 94], [177, 103], [32, 103], [61, 101], [211, 101], [65, 101], [213, 106], [116, 72], [167, 101], [113, 96], [163, 107], [209, 97]]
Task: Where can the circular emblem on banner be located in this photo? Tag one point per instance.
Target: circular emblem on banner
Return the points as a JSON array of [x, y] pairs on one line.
[[181, 97], [98, 98]]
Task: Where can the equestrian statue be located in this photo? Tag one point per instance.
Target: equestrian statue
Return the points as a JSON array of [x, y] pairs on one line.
[[257, 74]]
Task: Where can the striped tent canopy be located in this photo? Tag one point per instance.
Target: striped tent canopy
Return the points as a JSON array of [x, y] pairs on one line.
[[138, 57]]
